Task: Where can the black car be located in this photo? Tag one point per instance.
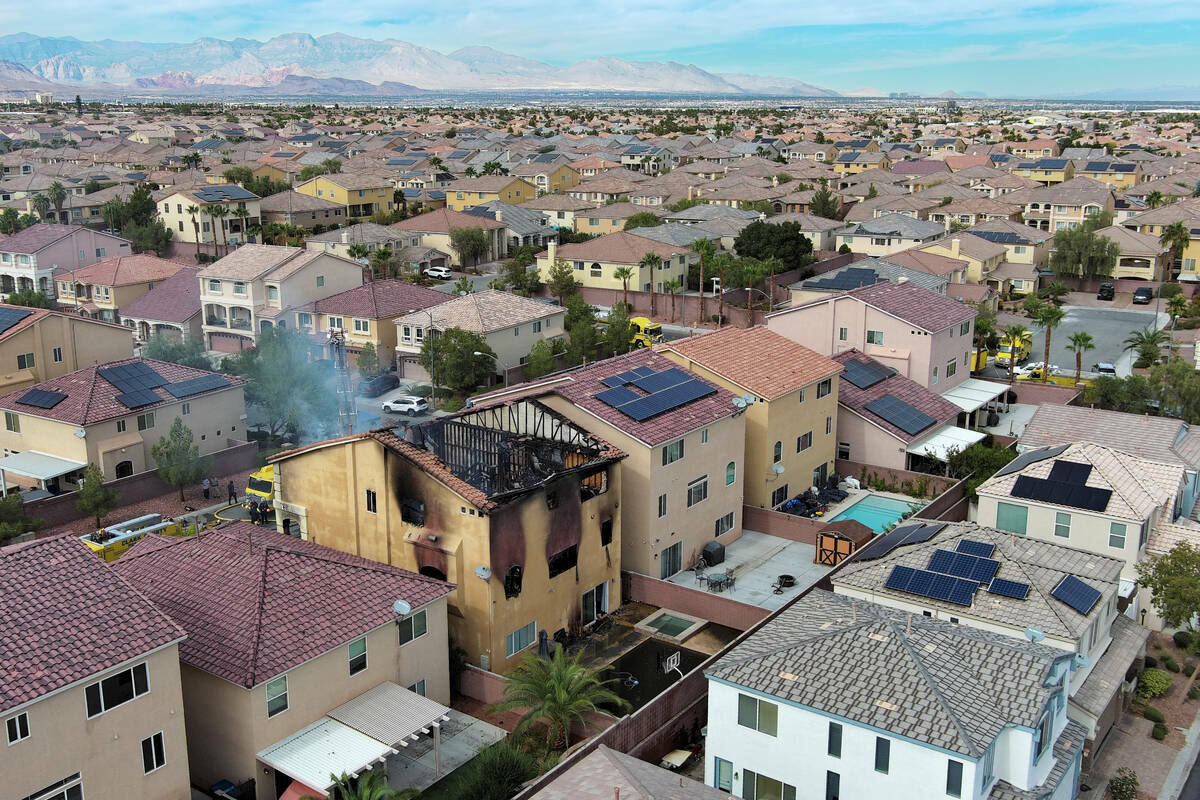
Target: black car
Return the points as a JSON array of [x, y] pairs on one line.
[[1107, 292], [373, 387], [1142, 296]]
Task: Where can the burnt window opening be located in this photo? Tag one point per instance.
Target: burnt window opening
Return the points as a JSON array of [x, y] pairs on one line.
[[593, 485], [512, 582], [551, 500], [433, 572], [606, 529], [412, 511], [563, 560]]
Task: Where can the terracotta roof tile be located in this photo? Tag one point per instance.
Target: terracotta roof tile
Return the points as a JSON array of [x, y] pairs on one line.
[[177, 299], [123, 270], [379, 300], [915, 305], [900, 387], [443, 220]]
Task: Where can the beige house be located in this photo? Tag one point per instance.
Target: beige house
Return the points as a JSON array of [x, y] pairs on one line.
[[560, 208], [39, 344], [888, 234], [55, 428], [791, 431], [466, 192], [273, 667], [548, 178], [302, 210], [257, 286], [1142, 256], [608, 218], [433, 228], [101, 290], [1064, 205], [982, 255], [596, 261], [681, 482], [30, 258], [201, 226], [91, 698]]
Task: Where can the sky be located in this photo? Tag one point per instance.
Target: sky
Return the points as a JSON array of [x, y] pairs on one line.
[[1005, 48]]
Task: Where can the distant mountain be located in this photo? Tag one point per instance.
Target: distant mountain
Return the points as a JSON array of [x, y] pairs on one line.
[[15, 76], [300, 63], [1142, 94], [865, 93]]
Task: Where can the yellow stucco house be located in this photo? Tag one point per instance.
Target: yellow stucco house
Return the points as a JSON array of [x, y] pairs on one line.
[[362, 194], [467, 192], [596, 261]]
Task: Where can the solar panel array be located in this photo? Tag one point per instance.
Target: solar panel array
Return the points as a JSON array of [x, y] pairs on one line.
[[845, 279], [666, 390], [865, 374], [932, 585], [629, 376], [1030, 457], [40, 398], [1000, 237], [1077, 594], [1070, 472], [1007, 588], [961, 565], [975, 548], [1072, 495], [912, 533], [196, 385], [132, 377], [892, 409], [138, 398], [657, 381], [11, 316]]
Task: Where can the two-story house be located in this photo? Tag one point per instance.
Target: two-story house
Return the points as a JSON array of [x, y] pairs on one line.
[[950, 711], [869, 271], [515, 505], [887, 234], [1151, 222], [608, 218], [790, 394], [360, 194], [595, 262], [1064, 205], [547, 178], [432, 230], [983, 256], [29, 258], [273, 667], [467, 192], [559, 209], [171, 308], [257, 286], [101, 290], [36, 344], [1046, 171], [302, 210], [241, 208], [91, 699]]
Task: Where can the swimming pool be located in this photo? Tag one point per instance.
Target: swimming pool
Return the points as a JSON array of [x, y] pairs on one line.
[[876, 511]]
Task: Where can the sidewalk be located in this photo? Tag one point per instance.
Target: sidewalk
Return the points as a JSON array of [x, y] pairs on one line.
[[1178, 775]]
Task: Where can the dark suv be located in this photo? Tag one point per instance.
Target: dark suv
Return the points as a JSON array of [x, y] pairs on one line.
[[1107, 292], [373, 387], [1142, 296]]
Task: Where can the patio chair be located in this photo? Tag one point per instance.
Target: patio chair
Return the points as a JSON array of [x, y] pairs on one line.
[[730, 580], [702, 579]]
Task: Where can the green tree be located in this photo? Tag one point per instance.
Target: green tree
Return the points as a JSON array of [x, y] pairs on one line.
[[149, 237], [464, 286], [380, 261], [1174, 581], [1080, 343], [558, 690], [58, 196], [1014, 333], [561, 280], [672, 288], [1131, 394], [238, 175], [1176, 237], [41, 204], [1055, 292], [273, 369], [469, 243], [1155, 199], [540, 360], [96, 499], [178, 458], [242, 215], [369, 785], [497, 773], [825, 204], [1177, 306], [784, 241], [1048, 318], [1147, 342], [986, 336], [30, 298], [13, 519], [652, 261], [1081, 252], [618, 333], [1177, 386], [582, 342], [9, 220], [977, 463], [193, 211], [368, 359], [331, 166], [357, 251], [872, 192], [643, 219], [186, 350], [1123, 785], [458, 368], [140, 207], [624, 275]]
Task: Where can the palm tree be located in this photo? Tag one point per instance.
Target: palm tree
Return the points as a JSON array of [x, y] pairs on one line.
[[652, 261], [242, 214], [357, 251], [706, 250], [379, 262], [369, 785], [41, 204], [470, 172], [1177, 306], [1014, 334], [9, 220], [211, 213], [624, 274], [773, 265], [671, 287], [219, 214], [436, 163], [1176, 237], [192, 211], [1145, 338], [1081, 342], [721, 262], [58, 196], [1055, 292], [1154, 199], [1048, 317], [559, 690]]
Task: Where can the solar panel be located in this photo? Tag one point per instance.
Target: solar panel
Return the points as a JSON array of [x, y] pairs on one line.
[[845, 279], [11, 316], [616, 396], [196, 385], [893, 410], [1031, 457], [1006, 588], [40, 398], [932, 585], [865, 374], [1070, 472], [621, 378], [980, 570], [1090, 498], [132, 377], [666, 400], [912, 533], [644, 370], [138, 398], [661, 380], [977, 549], [1077, 594]]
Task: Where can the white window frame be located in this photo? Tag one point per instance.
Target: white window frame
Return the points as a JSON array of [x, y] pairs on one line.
[[351, 656], [697, 486], [56, 355], [283, 694], [145, 421], [362, 326], [1123, 535], [1060, 524], [875, 337], [158, 756], [513, 639], [672, 452], [17, 728], [12, 421]]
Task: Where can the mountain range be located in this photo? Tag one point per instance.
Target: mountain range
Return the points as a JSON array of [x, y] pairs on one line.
[[298, 64]]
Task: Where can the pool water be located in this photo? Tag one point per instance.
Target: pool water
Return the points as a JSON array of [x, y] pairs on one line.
[[638, 677], [669, 625], [876, 512]]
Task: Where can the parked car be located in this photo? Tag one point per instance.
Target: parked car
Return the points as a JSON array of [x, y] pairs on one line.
[[373, 387], [439, 272], [1105, 368], [1142, 296], [406, 404], [1107, 292]]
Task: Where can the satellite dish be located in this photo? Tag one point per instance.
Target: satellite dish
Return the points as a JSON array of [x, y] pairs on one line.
[[402, 608], [749, 398], [1034, 635], [80, 432], [483, 573], [738, 402], [777, 469]]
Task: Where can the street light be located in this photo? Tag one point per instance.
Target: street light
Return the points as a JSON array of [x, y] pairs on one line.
[[770, 300], [499, 363], [432, 355]]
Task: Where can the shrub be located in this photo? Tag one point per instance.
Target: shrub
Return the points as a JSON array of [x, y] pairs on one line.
[[494, 774], [1151, 662], [1183, 639], [1170, 663], [1153, 683], [1160, 731], [1194, 692], [1124, 785], [1168, 290], [1189, 668], [1153, 714]]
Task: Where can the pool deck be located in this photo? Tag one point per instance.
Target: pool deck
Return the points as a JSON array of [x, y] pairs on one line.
[[757, 560], [859, 494]]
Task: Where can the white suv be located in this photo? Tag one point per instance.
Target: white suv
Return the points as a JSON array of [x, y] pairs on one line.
[[439, 272], [406, 404]]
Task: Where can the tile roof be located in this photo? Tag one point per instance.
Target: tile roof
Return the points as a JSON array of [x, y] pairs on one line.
[[91, 398], [483, 312], [1038, 563], [949, 686], [757, 359], [176, 299], [930, 263], [288, 201], [604, 774], [237, 591], [916, 305], [40, 236], [896, 225], [378, 300], [1108, 674], [443, 220], [252, 261], [1141, 435], [618, 247], [900, 387], [65, 615], [123, 270]]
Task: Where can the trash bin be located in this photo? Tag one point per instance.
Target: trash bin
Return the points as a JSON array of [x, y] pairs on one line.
[[714, 553]]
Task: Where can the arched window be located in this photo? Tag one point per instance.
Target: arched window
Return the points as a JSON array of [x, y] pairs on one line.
[[730, 473], [778, 452], [124, 469]]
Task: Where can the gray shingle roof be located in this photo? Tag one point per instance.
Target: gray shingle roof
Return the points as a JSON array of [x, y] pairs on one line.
[[896, 225]]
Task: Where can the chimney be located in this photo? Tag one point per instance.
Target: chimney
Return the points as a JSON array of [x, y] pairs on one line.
[[552, 251], [345, 237], [954, 244], [691, 193], [499, 215]]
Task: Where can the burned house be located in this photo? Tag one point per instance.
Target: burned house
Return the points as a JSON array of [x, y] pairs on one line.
[[514, 504]]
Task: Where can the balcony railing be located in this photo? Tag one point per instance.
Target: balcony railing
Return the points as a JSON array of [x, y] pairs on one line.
[[240, 324], [217, 322]]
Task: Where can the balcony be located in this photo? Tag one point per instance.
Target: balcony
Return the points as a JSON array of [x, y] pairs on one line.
[[240, 324]]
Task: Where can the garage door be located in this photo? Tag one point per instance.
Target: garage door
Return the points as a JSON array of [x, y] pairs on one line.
[[228, 342]]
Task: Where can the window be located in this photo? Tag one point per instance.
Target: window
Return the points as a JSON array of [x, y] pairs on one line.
[[418, 687], [883, 754], [758, 714], [697, 491], [965, 328], [320, 280], [778, 454], [306, 320], [517, 331], [277, 696], [18, 727], [537, 327], [69, 788], [358, 655], [760, 787], [935, 374], [595, 603], [153, 753], [101, 252], [704, 436], [662, 505], [120, 426], [672, 452], [803, 442], [519, 639], [670, 561], [843, 451], [874, 337], [828, 425], [116, 690], [606, 531], [145, 420], [56, 355], [239, 288], [25, 361], [954, 770], [951, 367], [1116, 535], [371, 501], [12, 422], [723, 525], [843, 334], [824, 388], [834, 746], [1011, 517], [338, 322], [833, 786], [214, 287], [779, 495], [1062, 524], [563, 560], [412, 627], [272, 292], [730, 473]]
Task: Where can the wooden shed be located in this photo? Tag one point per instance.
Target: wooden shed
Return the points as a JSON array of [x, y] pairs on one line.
[[837, 540]]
